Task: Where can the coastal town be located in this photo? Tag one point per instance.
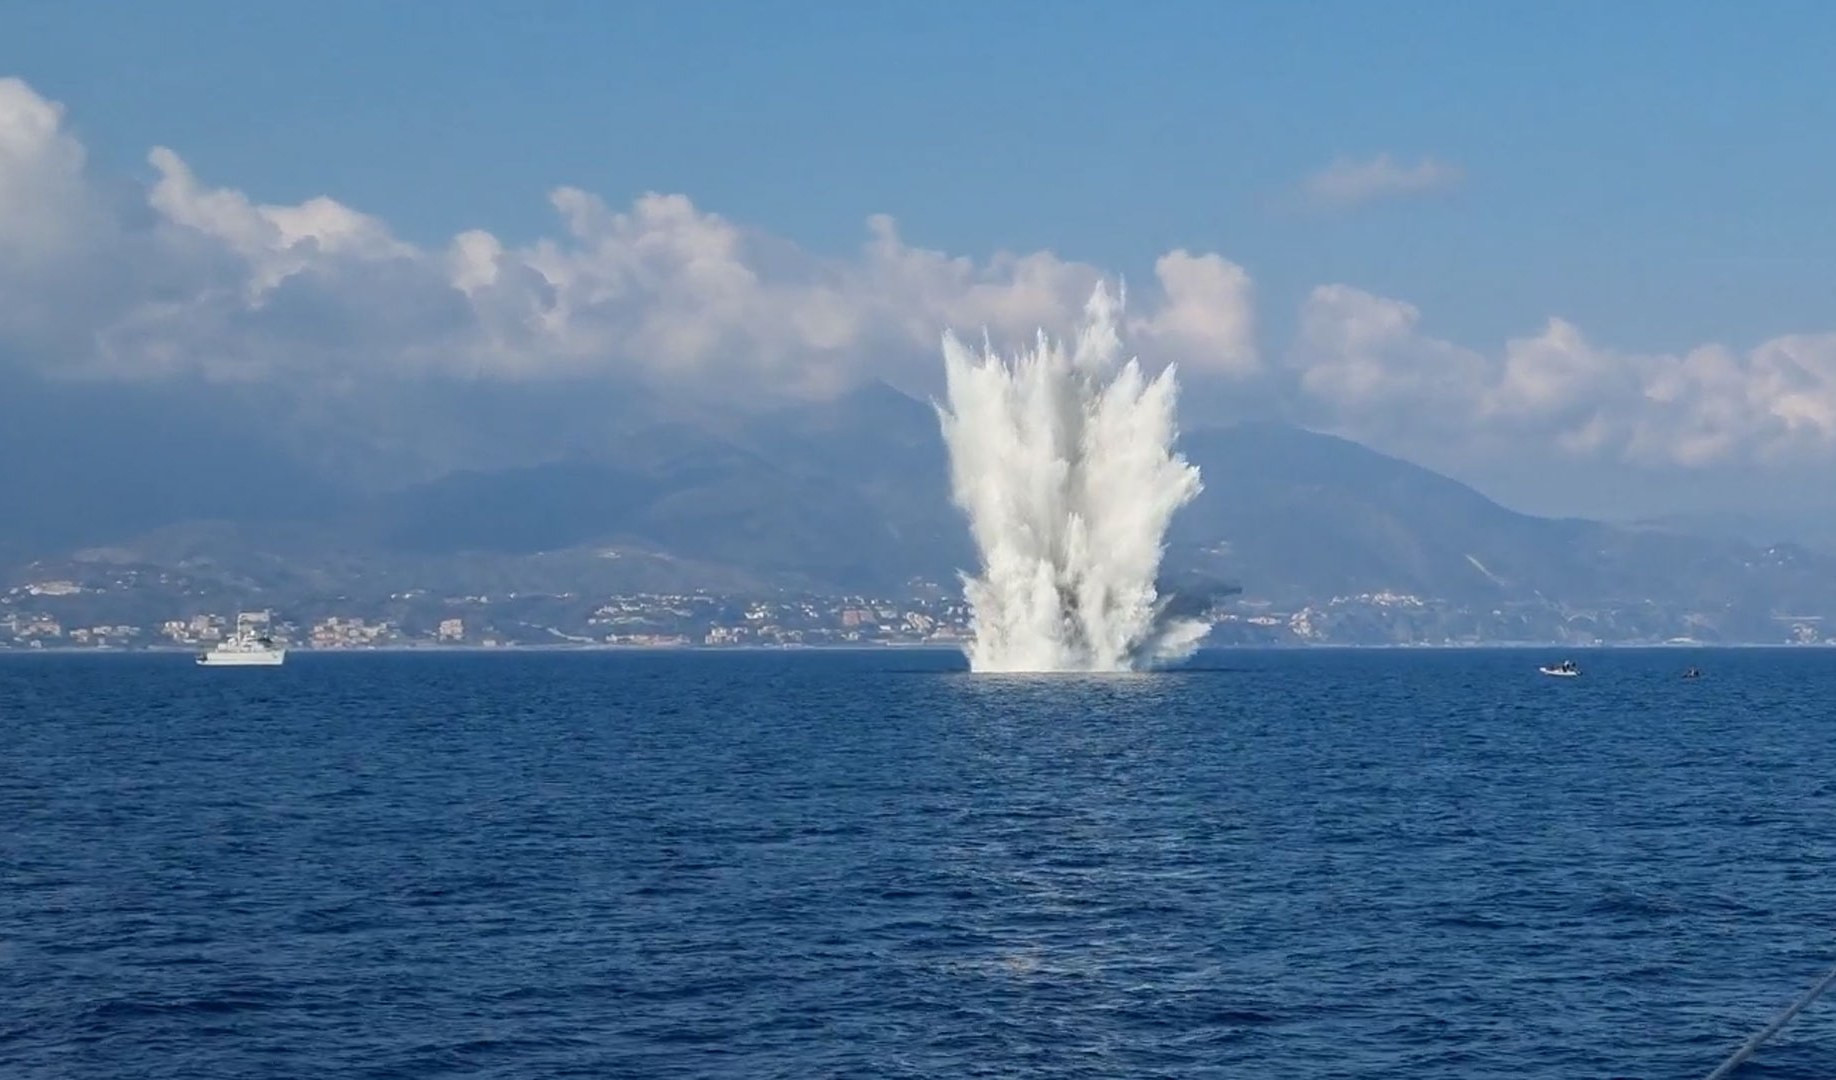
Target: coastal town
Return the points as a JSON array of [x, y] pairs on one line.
[[125, 613], [30, 619]]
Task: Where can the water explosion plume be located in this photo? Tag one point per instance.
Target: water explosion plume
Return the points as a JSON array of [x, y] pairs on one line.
[[1064, 464]]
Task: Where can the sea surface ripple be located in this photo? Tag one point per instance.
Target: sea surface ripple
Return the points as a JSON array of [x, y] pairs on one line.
[[1284, 864]]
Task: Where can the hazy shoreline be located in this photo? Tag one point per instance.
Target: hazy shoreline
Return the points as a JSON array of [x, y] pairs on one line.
[[487, 650]]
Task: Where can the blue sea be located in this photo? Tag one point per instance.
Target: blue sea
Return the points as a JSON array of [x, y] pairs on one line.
[[1414, 864]]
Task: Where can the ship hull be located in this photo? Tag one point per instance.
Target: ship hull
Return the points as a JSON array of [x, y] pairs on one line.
[[265, 658]]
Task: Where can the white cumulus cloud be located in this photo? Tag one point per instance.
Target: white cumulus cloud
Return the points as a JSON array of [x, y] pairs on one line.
[[1207, 315], [186, 278], [204, 279], [1368, 370]]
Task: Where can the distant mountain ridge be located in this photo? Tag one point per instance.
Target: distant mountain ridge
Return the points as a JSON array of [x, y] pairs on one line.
[[1316, 515], [853, 495]]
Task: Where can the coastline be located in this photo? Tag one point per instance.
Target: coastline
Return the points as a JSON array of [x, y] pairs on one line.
[[920, 646]]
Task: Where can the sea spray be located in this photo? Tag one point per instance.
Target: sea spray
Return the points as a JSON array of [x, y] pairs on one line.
[[1063, 463]]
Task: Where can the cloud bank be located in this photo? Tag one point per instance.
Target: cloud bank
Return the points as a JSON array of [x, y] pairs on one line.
[[185, 279], [203, 279], [1365, 367]]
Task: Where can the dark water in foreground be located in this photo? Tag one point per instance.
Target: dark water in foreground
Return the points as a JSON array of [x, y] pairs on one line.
[[1295, 865]]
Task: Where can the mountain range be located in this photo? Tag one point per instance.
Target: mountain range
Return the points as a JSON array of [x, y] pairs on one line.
[[847, 495]]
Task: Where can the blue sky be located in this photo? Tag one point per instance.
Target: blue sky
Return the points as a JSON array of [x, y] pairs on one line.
[[1656, 177], [1655, 171]]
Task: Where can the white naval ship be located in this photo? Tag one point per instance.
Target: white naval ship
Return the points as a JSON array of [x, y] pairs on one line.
[[249, 646]]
